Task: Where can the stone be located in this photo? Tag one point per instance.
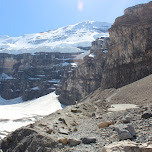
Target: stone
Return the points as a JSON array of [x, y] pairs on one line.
[[93, 114], [128, 146], [88, 140], [125, 131], [63, 131], [74, 123], [146, 115], [65, 121], [105, 124], [49, 131], [63, 140], [126, 119], [73, 142], [76, 111], [75, 129]]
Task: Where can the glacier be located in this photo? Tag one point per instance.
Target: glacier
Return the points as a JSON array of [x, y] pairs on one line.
[[65, 39]]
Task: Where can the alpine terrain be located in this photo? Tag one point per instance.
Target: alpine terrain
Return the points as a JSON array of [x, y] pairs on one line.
[[106, 86]]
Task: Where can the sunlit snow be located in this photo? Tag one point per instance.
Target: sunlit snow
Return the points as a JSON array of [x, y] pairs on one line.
[[15, 113], [65, 39]]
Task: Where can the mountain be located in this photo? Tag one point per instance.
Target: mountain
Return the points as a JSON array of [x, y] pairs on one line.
[[65, 39]]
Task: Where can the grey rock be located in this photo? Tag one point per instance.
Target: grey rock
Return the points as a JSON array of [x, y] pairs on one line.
[[125, 131], [73, 142], [88, 140], [126, 119], [146, 115]]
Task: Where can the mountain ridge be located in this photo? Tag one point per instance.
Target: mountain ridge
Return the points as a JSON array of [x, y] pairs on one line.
[[71, 37]]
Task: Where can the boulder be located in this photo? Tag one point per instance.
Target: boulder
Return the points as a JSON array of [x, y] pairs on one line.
[[105, 124], [146, 115], [125, 131], [73, 142]]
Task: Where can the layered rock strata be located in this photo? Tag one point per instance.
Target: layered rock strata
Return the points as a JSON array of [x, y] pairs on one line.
[[86, 78], [129, 56], [130, 51], [32, 76]]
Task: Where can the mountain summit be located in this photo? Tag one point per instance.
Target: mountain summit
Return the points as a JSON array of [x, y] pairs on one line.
[[65, 39]]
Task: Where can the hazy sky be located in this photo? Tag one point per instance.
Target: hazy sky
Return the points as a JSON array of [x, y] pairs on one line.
[[20, 17]]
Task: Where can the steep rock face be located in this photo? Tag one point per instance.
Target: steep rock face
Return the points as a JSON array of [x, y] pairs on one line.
[[86, 78], [130, 52], [31, 76]]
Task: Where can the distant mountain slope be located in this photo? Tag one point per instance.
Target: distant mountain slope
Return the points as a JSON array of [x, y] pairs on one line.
[[65, 39]]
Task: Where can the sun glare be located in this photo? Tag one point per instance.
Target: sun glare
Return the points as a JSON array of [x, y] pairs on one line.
[[80, 5]]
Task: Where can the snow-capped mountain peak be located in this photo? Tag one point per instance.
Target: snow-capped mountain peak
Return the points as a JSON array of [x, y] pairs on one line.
[[60, 40]]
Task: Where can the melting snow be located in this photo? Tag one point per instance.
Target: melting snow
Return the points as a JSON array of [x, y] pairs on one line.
[[15, 113]]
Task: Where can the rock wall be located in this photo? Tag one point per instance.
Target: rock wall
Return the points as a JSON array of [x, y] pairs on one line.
[[86, 78], [129, 56], [31, 76], [130, 51]]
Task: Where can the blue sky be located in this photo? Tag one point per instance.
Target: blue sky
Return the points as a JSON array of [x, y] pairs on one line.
[[20, 17]]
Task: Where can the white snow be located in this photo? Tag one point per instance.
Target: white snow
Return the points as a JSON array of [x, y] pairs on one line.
[[119, 107], [82, 55], [74, 65], [92, 55], [54, 81], [65, 39], [35, 88], [15, 113], [4, 76]]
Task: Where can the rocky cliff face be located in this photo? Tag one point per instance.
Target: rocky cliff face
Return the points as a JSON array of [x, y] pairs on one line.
[[86, 78], [129, 57], [31, 76], [130, 52]]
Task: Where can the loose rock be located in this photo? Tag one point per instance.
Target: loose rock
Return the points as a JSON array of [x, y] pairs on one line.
[[88, 140], [63, 140], [125, 131], [73, 142], [128, 146], [146, 115]]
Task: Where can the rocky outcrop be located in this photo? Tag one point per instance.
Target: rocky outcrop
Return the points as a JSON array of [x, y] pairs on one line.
[[84, 79], [129, 56], [130, 51], [32, 76]]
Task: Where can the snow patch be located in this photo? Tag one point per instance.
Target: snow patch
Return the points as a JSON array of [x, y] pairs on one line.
[[15, 113], [4, 76], [92, 55], [119, 107]]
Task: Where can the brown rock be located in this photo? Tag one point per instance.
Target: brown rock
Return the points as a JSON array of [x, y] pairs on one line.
[[128, 146], [73, 142], [105, 124], [76, 111], [49, 131], [63, 140]]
